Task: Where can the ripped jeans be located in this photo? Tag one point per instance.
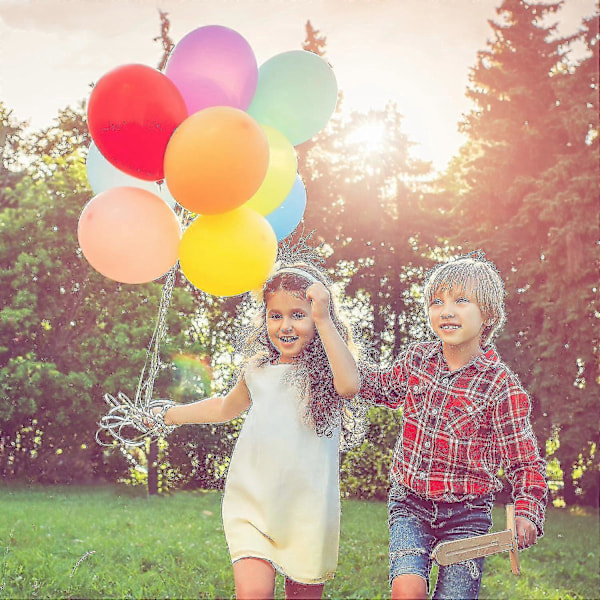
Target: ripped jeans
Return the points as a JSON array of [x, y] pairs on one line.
[[417, 525]]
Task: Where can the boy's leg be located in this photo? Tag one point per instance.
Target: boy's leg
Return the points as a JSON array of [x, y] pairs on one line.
[[254, 579], [464, 519], [409, 587], [293, 589], [411, 543]]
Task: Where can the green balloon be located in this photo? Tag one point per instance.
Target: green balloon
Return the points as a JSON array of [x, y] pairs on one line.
[[296, 94]]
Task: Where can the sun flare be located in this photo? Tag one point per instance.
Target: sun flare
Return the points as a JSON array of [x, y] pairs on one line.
[[370, 137]]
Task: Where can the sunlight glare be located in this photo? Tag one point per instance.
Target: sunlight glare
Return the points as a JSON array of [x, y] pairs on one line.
[[370, 137]]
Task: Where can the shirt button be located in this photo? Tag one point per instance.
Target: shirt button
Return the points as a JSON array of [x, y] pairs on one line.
[[427, 444]]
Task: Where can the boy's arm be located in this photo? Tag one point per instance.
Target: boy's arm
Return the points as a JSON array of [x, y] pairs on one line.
[[217, 409], [387, 387], [524, 468], [343, 365]]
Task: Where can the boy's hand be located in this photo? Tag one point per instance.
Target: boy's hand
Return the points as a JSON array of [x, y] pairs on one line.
[[318, 296], [526, 532]]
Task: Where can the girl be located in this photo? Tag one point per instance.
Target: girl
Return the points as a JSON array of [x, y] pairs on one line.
[[281, 505]]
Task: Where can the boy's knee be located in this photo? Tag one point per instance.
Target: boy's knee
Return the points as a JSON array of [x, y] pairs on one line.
[[409, 587]]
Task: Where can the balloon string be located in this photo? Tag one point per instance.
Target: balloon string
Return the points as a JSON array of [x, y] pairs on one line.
[[124, 414]]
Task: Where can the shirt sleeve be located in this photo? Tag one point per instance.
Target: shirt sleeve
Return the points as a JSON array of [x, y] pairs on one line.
[[524, 468], [385, 386]]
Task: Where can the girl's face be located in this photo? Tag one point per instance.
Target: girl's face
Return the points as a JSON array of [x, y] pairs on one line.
[[289, 324]]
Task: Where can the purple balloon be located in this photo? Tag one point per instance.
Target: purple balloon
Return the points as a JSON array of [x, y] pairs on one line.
[[213, 66]]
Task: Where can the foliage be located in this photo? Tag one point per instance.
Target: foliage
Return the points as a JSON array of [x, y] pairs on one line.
[[173, 546], [364, 470], [366, 204], [69, 334], [524, 188]]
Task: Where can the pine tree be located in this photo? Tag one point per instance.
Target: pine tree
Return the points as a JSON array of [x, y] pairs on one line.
[[525, 191]]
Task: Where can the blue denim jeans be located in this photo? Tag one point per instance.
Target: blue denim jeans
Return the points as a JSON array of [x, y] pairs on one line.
[[417, 525]]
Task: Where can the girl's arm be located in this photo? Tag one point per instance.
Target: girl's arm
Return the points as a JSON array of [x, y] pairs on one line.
[[217, 409], [345, 372]]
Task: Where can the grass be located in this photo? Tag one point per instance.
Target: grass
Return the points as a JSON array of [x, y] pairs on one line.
[[106, 542]]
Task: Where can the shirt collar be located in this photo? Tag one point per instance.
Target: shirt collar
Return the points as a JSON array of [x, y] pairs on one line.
[[488, 359]]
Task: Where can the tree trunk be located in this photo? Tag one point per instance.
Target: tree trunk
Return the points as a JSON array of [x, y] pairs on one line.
[[569, 494], [153, 469]]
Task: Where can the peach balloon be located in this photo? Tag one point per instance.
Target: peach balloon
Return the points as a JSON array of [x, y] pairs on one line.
[[228, 254], [129, 234], [216, 160]]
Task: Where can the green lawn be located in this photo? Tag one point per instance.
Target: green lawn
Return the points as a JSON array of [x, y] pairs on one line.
[[104, 542]]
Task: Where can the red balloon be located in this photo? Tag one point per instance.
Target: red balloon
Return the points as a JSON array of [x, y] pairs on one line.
[[132, 113]]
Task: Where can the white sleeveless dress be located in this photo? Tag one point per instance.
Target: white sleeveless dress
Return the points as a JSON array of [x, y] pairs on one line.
[[282, 499]]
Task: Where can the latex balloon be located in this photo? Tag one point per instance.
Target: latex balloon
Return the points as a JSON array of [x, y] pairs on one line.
[[164, 193], [132, 113], [296, 94], [281, 173], [129, 235], [228, 254], [286, 217], [213, 66], [216, 160], [102, 175]]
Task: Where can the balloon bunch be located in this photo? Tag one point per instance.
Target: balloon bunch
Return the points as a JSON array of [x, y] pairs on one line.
[[212, 136]]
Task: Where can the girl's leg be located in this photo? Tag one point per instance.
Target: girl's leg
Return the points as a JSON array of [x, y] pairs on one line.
[[254, 579], [293, 589]]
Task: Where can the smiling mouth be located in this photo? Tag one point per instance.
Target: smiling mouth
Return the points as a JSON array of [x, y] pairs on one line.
[[449, 327], [288, 339]]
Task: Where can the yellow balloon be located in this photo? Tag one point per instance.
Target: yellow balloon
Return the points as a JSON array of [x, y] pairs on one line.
[[229, 253], [281, 173]]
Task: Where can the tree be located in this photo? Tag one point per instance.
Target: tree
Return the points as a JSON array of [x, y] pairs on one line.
[[523, 189], [365, 201], [71, 334]]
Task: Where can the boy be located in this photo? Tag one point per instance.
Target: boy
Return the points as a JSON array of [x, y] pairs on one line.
[[464, 414]]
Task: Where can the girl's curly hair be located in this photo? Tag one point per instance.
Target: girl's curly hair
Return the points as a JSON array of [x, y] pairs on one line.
[[326, 410]]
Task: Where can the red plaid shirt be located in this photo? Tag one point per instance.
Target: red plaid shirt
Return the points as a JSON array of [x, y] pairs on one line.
[[459, 427]]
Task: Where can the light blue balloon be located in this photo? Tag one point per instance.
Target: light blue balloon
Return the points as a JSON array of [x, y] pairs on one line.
[[102, 175], [285, 218], [296, 94], [163, 191]]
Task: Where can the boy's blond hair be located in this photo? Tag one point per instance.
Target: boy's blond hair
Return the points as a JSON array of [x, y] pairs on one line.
[[476, 275]]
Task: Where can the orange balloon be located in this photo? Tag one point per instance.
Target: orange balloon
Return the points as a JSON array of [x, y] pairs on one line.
[[216, 160], [129, 234], [228, 254]]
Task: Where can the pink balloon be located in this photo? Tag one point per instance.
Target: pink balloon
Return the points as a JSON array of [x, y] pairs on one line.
[[129, 234], [213, 66]]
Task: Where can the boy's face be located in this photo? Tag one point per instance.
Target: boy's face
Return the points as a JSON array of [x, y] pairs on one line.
[[457, 319]]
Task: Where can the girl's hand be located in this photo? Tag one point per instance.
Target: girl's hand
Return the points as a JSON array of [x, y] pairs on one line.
[[150, 422], [318, 296], [526, 532]]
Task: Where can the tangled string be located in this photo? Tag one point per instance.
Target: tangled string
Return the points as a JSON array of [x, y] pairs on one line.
[[131, 423]]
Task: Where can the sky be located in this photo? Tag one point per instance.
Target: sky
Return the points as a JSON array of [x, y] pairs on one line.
[[416, 53]]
